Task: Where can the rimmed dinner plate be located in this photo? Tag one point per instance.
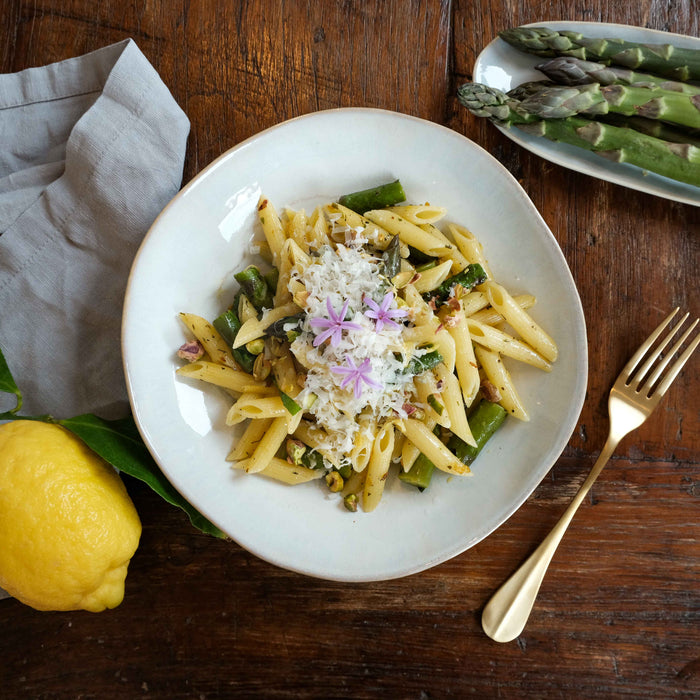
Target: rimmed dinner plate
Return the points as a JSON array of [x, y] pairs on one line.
[[186, 264], [504, 67]]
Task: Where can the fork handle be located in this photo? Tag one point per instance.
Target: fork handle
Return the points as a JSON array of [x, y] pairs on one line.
[[505, 615]]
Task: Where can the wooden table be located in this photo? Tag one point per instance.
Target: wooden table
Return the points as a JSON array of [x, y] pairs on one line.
[[619, 612]]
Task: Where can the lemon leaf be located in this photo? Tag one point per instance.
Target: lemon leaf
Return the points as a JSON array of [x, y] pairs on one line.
[[8, 386], [119, 443]]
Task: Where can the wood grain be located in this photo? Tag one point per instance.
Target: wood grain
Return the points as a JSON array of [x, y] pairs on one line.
[[618, 614]]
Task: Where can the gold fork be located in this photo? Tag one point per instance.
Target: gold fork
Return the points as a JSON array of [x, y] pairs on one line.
[[631, 401]]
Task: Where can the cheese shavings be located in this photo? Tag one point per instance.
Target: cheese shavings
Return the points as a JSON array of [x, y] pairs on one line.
[[342, 277]]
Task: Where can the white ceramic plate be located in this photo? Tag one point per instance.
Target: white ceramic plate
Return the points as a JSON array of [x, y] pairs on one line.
[[186, 263], [503, 67]]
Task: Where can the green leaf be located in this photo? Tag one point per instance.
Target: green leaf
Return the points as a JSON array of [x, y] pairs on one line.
[[289, 403], [8, 386], [119, 443]]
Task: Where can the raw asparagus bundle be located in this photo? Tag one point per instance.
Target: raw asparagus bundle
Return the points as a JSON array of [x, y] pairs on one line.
[[680, 162], [551, 101], [661, 59], [567, 70]]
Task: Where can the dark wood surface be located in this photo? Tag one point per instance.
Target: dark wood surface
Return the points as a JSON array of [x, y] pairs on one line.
[[619, 612]]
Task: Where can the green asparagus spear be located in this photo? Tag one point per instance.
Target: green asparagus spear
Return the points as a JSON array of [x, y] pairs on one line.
[[548, 101], [420, 473], [255, 287], [674, 160], [286, 328], [652, 127], [661, 59], [424, 362], [374, 198], [228, 326], [567, 70], [391, 257], [484, 421], [469, 277]]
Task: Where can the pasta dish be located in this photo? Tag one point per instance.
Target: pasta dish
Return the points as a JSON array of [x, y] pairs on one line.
[[371, 334]]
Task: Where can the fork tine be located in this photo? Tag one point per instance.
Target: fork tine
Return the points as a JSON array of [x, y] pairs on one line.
[[677, 366], [644, 347], [658, 370], [649, 362]]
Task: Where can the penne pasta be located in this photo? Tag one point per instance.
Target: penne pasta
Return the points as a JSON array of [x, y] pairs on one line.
[[409, 233], [378, 467], [272, 227], [433, 277], [419, 213], [465, 360], [505, 344], [499, 376], [224, 376], [266, 449], [454, 405], [252, 406], [247, 442], [255, 328], [470, 247], [283, 471], [431, 447], [520, 321], [210, 339]]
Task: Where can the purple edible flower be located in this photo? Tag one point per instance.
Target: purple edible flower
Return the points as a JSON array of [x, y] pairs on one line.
[[382, 314], [356, 374], [334, 325]]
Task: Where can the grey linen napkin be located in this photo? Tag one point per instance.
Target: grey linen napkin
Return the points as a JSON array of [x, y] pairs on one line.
[[91, 150]]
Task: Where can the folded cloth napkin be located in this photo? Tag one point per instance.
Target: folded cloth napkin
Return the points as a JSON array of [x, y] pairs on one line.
[[91, 150]]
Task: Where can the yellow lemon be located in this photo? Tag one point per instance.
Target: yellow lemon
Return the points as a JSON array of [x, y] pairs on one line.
[[68, 528]]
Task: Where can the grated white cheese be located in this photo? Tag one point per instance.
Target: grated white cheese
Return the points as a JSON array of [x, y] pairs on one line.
[[348, 273]]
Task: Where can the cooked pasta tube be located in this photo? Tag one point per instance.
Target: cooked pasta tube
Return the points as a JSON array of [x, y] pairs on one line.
[[362, 448], [272, 227], [378, 467], [419, 213], [281, 470], [426, 387], [454, 405], [491, 317], [247, 442], [318, 234], [505, 344], [252, 406], [409, 233], [409, 452], [342, 216], [465, 361], [459, 262], [523, 324], [255, 328], [210, 339], [497, 373], [296, 228], [268, 446], [427, 443], [470, 246], [222, 375], [429, 279], [473, 303]]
